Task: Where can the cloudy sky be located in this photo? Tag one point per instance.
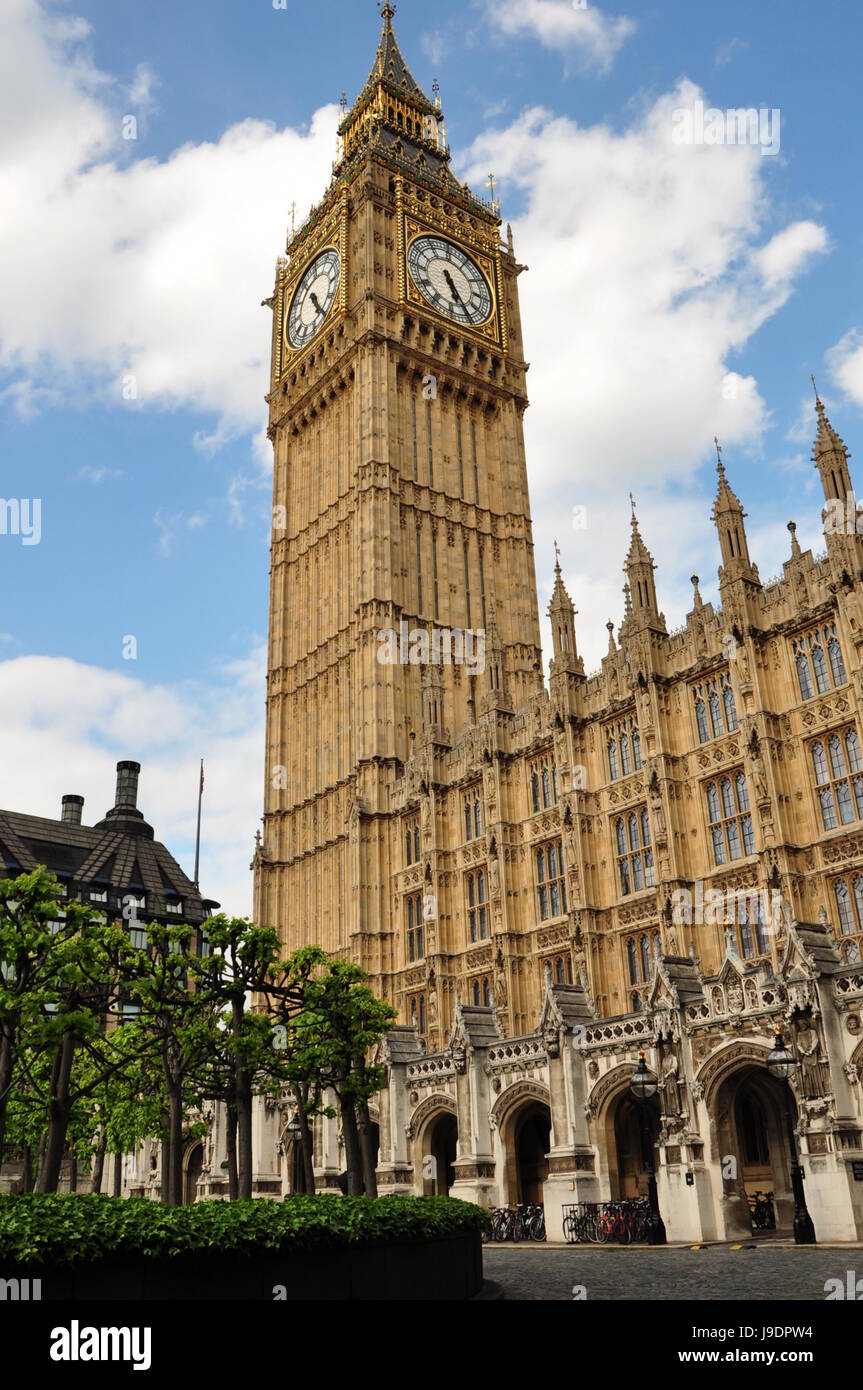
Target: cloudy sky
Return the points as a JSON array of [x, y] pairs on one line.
[[677, 290]]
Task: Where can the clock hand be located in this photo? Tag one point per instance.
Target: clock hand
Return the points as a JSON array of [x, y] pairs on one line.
[[314, 298], [452, 289]]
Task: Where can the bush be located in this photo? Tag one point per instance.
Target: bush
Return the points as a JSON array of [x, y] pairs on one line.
[[66, 1231]]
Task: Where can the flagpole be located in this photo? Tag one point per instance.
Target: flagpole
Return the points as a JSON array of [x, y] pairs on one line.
[[198, 836]]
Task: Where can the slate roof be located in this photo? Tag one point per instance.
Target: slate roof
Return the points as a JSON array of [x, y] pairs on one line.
[[119, 855]]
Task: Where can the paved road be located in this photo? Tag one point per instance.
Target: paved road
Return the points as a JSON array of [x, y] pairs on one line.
[[716, 1272]]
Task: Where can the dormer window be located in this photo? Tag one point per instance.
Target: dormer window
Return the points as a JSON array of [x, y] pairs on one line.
[[174, 906]]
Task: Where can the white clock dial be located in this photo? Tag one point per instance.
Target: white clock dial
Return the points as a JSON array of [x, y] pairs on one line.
[[313, 298], [450, 280]]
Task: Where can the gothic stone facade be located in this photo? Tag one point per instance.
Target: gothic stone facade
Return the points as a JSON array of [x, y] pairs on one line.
[[532, 874]]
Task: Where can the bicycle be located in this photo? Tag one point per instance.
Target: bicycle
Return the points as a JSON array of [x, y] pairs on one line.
[[762, 1212]]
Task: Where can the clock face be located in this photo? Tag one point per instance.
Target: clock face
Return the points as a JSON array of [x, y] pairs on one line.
[[313, 298], [450, 281]]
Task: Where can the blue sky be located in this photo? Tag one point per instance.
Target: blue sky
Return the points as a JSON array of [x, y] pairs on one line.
[[673, 294]]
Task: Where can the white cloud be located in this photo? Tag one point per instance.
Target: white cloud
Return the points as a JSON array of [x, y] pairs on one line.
[[725, 52], [64, 726], [128, 264], [845, 361], [584, 31], [98, 473], [649, 274]]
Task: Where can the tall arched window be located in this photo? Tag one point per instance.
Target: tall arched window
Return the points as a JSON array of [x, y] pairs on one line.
[[486, 992], [804, 678], [558, 971], [858, 897], [476, 993], [852, 746], [636, 750], [819, 665], [701, 721], [716, 715], [730, 708], [646, 962], [837, 665], [843, 907], [625, 761], [632, 959], [613, 766]]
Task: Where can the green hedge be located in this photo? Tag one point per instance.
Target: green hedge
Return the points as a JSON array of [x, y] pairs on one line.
[[65, 1231]]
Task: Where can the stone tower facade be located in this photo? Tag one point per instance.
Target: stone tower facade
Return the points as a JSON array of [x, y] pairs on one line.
[[663, 855]]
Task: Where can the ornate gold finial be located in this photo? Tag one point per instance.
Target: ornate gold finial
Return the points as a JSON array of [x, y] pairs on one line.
[[719, 464], [387, 11], [436, 93], [293, 217], [491, 182]]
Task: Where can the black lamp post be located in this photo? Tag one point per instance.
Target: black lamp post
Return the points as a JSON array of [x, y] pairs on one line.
[[781, 1063], [643, 1086]]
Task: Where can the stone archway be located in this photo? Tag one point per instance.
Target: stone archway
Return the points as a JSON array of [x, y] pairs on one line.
[[626, 1146], [522, 1116], [193, 1164], [434, 1144], [749, 1139]]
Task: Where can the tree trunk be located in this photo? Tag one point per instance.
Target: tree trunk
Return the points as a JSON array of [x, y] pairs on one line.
[[59, 1109], [175, 1164], [353, 1157], [367, 1150], [73, 1174], [231, 1146], [40, 1158], [99, 1164], [307, 1142], [6, 1065], [243, 1089], [27, 1175], [118, 1175]]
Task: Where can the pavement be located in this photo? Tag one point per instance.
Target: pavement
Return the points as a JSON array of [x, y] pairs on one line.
[[761, 1271]]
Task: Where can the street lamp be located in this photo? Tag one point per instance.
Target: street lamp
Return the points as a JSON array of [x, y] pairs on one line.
[[781, 1063], [643, 1086]]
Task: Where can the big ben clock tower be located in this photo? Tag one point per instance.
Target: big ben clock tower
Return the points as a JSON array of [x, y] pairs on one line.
[[400, 504]]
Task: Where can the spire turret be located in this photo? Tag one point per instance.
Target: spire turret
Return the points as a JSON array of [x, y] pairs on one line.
[[561, 611], [642, 609], [830, 457], [729, 516]]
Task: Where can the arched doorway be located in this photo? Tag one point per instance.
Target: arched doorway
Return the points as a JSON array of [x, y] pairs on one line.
[[751, 1145], [438, 1162], [192, 1169], [629, 1154], [532, 1133]]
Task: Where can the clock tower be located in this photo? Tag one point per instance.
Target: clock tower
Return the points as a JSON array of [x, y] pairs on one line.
[[403, 604]]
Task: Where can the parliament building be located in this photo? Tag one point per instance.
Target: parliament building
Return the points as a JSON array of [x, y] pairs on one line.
[[544, 876]]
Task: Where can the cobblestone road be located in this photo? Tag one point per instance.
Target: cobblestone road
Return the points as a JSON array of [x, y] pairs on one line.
[[716, 1272]]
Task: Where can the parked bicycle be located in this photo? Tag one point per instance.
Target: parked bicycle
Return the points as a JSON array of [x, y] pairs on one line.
[[624, 1222], [524, 1221], [762, 1212]]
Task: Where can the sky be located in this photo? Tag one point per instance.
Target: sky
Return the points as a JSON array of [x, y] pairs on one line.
[[681, 286]]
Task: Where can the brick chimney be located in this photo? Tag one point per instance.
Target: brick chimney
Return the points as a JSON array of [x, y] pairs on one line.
[[126, 798], [73, 807]]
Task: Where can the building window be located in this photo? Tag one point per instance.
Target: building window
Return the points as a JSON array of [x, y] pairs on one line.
[[418, 1013], [634, 852], [415, 927], [472, 807], [412, 840], [752, 934], [477, 910], [99, 895], [467, 586], [434, 574], [640, 965], [624, 749], [730, 822], [837, 764], [543, 784], [419, 573], [715, 708], [174, 907], [550, 884], [848, 895], [481, 992], [819, 662]]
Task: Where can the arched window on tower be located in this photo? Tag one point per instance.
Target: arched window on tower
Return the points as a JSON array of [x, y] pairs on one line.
[[701, 721]]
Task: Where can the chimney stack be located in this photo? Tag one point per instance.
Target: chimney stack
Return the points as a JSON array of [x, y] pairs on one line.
[[127, 786], [73, 807]]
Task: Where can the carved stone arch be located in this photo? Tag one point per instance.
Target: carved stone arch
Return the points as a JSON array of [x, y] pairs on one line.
[[730, 1057], [437, 1103], [516, 1095], [857, 1057], [608, 1088]]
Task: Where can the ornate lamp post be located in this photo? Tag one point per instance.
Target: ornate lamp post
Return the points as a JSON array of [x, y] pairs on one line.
[[643, 1086], [781, 1063]]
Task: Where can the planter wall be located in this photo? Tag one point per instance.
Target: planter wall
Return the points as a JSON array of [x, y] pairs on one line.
[[439, 1269]]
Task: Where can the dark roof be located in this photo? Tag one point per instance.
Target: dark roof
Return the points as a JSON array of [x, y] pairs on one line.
[[392, 71], [119, 854]]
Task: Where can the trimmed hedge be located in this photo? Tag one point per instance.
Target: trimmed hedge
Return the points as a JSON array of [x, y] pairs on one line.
[[68, 1231]]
